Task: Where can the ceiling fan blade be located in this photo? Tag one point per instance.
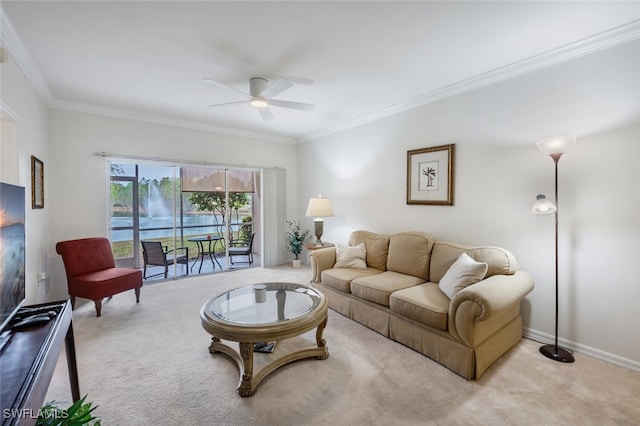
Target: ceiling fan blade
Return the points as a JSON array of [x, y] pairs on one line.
[[224, 86], [294, 80], [298, 80], [292, 105], [228, 103], [265, 113], [276, 87]]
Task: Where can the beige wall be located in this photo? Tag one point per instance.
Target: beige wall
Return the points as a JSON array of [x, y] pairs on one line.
[[79, 181], [28, 127], [499, 171]]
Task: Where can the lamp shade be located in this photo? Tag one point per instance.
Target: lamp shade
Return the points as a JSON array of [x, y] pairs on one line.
[[556, 145], [319, 207], [543, 206]]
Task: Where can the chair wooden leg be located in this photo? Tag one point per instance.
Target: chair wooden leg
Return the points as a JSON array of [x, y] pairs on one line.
[[73, 302], [98, 303], [137, 290]]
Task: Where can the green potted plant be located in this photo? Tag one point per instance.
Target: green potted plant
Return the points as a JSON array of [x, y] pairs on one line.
[[79, 413], [295, 238]]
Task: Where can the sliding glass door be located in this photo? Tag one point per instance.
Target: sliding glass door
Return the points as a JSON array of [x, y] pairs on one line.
[[192, 212], [123, 218]]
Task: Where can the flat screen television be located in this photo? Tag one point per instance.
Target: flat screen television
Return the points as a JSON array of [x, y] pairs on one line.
[[12, 251]]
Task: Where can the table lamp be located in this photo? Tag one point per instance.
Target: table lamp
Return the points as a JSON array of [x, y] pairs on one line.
[[319, 207]]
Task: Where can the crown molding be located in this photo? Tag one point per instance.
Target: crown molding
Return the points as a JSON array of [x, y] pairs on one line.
[[18, 51], [20, 54], [8, 113], [609, 38], [167, 121], [613, 37]]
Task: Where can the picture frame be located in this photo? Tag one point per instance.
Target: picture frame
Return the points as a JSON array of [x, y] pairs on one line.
[[431, 175], [37, 183]]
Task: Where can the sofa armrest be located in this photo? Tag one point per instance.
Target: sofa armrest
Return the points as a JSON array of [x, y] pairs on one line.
[[485, 307], [320, 260]]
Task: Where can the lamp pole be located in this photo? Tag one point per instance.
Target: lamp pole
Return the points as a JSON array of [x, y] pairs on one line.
[[553, 351]]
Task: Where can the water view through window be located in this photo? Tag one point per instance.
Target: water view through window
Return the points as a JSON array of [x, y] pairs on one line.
[[175, 204]]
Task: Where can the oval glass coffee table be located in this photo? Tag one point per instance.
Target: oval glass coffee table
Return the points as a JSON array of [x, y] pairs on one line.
[[261, 313]]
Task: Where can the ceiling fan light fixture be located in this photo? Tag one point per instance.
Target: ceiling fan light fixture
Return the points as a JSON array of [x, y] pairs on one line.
[[258, 103]]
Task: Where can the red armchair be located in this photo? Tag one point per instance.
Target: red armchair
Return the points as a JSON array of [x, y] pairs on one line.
[[92, 273]]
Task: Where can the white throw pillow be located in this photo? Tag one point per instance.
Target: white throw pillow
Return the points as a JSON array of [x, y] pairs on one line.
[[351, 256], [464, 272]]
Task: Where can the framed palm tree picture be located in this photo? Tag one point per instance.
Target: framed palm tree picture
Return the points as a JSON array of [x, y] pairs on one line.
[[430, 175]]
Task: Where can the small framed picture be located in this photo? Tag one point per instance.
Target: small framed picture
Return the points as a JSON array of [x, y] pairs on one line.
[[430, 175], [37, 183]]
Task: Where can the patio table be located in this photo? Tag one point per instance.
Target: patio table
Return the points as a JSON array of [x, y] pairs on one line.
[[210, 251]]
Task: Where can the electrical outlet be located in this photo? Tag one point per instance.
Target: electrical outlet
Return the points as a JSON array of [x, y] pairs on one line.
[[42, 276]]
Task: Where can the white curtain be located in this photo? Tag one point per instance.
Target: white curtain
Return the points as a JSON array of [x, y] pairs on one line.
[[273, 209]]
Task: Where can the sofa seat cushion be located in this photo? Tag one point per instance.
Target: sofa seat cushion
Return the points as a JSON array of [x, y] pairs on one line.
[[424, 303], [340, 278], [377, 288]]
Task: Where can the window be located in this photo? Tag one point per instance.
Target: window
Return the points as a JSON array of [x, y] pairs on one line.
[[175, 205]]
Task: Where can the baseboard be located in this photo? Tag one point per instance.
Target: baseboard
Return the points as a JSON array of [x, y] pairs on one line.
[[539, 336]]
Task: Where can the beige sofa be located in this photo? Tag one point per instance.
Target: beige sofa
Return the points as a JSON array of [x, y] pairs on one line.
[[398, 296]]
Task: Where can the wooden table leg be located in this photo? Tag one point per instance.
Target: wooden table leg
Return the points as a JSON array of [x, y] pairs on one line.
[[319, 340], [246, 387], [72, 366]]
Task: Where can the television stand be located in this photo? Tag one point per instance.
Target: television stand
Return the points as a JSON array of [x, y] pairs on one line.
[[29, 358], [4, 338], [31, 321]]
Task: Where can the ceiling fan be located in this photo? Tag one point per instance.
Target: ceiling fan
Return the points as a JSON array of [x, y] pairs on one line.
[[260, 96]]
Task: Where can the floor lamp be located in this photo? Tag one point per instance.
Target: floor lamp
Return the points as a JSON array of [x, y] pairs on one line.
[[554, 147]]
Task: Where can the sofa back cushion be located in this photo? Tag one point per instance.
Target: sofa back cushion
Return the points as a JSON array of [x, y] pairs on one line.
[[444, 254], [409, 253], [377, 246]]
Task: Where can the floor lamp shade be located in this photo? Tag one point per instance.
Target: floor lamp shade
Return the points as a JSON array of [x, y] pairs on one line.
[[543, 206], [319, 207], [554, 147]]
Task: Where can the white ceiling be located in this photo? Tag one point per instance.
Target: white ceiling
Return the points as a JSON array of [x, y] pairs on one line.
[[146, 60]]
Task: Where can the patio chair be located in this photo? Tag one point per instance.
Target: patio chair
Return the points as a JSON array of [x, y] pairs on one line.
[[241, 247], [155, 254]]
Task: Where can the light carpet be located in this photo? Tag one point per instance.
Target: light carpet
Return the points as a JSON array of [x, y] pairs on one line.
[[149, 363]]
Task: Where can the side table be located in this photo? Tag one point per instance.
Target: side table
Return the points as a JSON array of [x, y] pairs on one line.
[[311, 247]]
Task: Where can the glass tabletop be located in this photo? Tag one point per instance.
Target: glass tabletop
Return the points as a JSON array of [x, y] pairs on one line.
[[262, 304]]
